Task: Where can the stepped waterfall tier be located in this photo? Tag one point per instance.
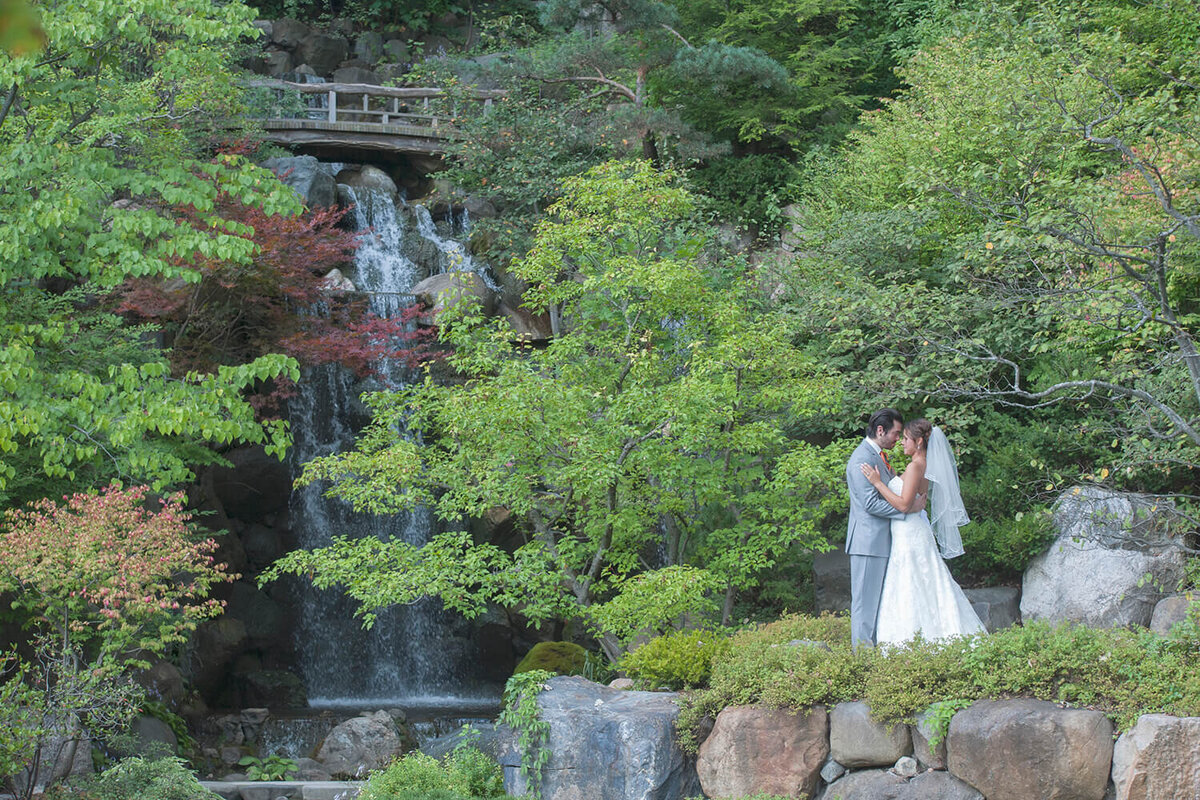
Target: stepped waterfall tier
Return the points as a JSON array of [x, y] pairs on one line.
[[416, 655]]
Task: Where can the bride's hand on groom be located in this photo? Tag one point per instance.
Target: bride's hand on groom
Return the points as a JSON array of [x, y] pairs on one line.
[[871, 473], [918, 503]]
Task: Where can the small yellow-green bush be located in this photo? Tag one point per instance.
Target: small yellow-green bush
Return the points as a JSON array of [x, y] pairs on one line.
[[679, 660], [465, 774]]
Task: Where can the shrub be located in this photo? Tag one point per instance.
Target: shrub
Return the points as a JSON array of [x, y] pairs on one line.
[[1125, 673], [1004, 547], [675, 661], [784, 665], [466, 774], [143, 778]]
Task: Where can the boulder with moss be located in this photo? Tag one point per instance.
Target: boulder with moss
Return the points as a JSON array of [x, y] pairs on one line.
[[563, 658]]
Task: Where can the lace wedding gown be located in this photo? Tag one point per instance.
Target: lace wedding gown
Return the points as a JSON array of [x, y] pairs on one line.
[[919, 593]]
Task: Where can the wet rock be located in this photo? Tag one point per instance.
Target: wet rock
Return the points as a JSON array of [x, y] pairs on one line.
[[359, 745], [368, 177]]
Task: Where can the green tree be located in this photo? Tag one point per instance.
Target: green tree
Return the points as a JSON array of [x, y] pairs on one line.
[[1014, 234], [101, 137], [102, 581], [660, 404]]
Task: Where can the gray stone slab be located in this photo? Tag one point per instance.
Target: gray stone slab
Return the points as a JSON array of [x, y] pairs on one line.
[[297, 790]]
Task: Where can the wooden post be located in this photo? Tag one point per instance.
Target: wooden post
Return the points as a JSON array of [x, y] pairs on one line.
[[332, 106]]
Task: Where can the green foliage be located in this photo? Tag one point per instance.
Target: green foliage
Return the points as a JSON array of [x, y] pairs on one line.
[[750, 190], [661, 399], [466, 773], [521, 713], [678, 660], [143, 778], [104, 131], [270, 768], [559, 658], [654, 602], [1002, 548], [987, 241], [938, 717], [1125, 673]]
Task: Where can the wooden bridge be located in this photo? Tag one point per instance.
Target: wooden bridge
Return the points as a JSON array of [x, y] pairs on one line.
[[351, 120]]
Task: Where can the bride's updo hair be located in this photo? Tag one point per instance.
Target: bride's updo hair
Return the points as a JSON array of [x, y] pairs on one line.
[[919, 429]]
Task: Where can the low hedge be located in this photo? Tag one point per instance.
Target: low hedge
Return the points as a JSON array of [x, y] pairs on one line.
[[801, 661]]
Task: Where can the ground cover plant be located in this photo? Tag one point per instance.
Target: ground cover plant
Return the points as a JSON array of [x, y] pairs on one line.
[[800, 661]]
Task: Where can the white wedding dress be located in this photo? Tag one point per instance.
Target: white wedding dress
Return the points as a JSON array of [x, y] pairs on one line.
[[919, 594]]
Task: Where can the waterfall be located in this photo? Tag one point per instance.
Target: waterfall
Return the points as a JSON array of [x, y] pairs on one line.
[[454, 256], [416, 655]]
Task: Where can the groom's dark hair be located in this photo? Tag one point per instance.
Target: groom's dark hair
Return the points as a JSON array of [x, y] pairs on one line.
[[884, 418]]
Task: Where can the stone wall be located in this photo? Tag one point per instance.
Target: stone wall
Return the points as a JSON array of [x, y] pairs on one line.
[[610, 744]]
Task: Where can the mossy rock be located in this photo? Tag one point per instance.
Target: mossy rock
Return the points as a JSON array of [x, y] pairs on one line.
[[565, 658]]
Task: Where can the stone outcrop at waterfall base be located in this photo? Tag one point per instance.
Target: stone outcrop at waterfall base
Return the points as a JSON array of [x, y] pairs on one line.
[[606, 744]]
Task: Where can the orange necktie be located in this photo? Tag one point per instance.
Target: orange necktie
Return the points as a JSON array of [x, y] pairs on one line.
[[886, 463]]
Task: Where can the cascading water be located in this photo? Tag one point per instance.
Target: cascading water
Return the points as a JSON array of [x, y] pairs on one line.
[[415, 656]]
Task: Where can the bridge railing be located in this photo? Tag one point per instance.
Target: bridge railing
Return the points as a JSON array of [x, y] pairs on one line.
[[364, 103]]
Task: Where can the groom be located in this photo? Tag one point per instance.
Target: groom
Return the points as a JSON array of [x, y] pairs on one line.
[[869, 529]]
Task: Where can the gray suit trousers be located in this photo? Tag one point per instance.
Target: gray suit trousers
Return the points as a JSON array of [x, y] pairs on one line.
[[866, 589]]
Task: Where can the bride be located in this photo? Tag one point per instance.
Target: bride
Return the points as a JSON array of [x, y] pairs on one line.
[[919, 594]]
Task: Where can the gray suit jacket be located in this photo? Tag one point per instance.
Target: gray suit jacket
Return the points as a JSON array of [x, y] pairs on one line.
[[869, 529]]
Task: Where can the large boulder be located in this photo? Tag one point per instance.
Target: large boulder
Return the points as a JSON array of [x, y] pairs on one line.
[[163, 682], [1021, 749], [997, 606], [483, 736], [323, 53], [1111, 563], [261, 616], [439, 293], [927, 754], [307, 177], [857, 740], [754, 749], [526, 326], [368, 177], [288, 33], [831, 580], [214, 645], [606, 744], [359, 745], [1169, 612], [1156, 758]]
